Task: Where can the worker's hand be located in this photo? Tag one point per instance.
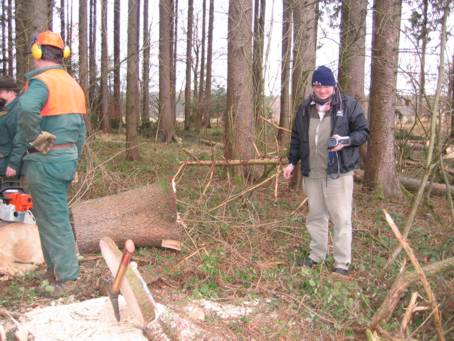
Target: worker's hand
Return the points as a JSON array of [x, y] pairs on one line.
[[337, 148], [75, 179], [43, 142], [288, 171], [10, 172]]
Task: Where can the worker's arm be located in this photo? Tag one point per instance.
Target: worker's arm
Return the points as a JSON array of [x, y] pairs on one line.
[[30, 105], [81, 138], [18, 147]]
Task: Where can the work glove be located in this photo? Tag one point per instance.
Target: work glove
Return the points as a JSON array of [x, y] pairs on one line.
[[43, 142]]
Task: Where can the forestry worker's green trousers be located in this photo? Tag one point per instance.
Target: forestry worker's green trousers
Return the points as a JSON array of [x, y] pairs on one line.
[[48, 181]]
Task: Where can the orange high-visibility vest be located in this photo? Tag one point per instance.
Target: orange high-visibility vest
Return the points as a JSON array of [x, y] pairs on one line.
[[65, 96]]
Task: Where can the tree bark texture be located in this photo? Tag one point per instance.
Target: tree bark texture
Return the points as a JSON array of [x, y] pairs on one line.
[[147, 215], [132, 83], [207, 93], [257, 58], [166, 121], [304, 48], [83, 53], [188, 92], [92, 58], [10, 39], [199, 111], [104, 70], [4, 53], [117, 92], [146, 65], [352, 49], [381, 173], [239, 120], [285, 117], [62, 20]]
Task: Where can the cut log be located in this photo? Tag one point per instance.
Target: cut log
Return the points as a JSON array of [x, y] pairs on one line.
[[412, 184], [147, 215]]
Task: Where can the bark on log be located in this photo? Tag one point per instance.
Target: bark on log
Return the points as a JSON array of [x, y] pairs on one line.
[[412, 184], [147, 215], [399, 286]]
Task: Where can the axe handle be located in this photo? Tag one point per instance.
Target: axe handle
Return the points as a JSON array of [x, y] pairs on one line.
[[125, 259]]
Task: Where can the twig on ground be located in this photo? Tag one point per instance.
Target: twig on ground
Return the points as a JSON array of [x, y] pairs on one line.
[[250, 189]]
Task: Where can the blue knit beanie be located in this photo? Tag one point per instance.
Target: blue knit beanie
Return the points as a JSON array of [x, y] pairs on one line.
[[323, 76]]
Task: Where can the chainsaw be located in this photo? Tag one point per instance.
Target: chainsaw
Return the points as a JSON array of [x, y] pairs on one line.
[[15, 205]]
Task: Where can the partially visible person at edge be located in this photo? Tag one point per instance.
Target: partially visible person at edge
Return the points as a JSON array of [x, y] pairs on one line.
[[11, 149], [328, 173], [51, 122]]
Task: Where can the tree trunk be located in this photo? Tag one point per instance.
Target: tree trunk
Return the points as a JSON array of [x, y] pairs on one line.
[[104, 70], [166, 121], [146, 66], [304, 49], [10, 39], [352, 48], [209, 64], [239, 116], [146, 215], [83, 50], [92, 56], [69, 33], [117, 92], [285, 114], [422, 75], [257, 58], [50, 14], [381, 173], [451, 82], [4, 47], [62, 20], [39, 13], [352, 54], [173, 53], [187, 90], [31, 18], [199, 111], [132, 83]]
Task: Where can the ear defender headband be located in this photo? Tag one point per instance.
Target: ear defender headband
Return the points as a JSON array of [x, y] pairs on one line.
[[49, 38]]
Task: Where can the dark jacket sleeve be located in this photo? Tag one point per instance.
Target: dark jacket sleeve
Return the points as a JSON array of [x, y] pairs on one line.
[[358, 125], [18, 148], [294, 154]]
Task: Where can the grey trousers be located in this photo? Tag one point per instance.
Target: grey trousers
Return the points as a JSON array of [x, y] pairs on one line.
[[330, 199]]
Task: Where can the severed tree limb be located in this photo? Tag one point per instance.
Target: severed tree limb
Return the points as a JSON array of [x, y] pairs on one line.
[[401, 283], [275, 125], [275, 161], [421, 275], [407, 316]]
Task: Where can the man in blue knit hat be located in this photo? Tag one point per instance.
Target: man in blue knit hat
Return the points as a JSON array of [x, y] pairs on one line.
[[328, 129]]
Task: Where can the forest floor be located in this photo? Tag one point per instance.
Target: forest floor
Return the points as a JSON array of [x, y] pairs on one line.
[[249, 251]]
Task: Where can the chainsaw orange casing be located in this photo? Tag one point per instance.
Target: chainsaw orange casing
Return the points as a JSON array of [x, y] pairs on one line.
[[21, 201]]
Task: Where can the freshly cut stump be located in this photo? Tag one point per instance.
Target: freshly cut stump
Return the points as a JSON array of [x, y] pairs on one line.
[[20, 248]]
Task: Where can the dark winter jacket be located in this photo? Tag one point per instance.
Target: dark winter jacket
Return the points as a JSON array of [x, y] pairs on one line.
[[347, 119]]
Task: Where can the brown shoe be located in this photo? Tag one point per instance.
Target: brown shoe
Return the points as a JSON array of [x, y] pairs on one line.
[[58, 289], [48, 275]]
